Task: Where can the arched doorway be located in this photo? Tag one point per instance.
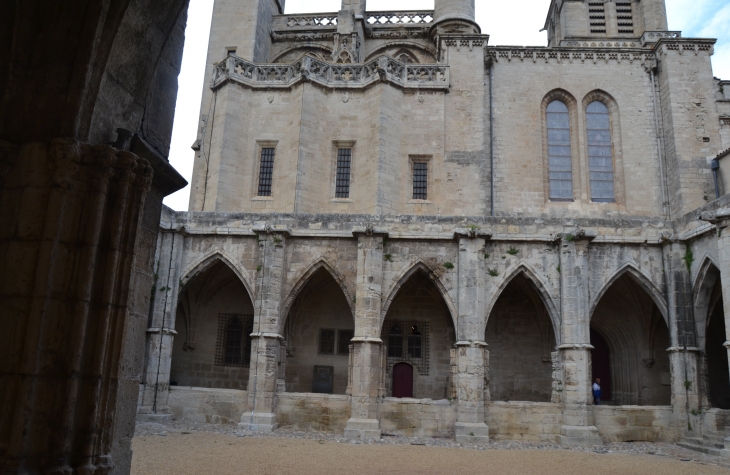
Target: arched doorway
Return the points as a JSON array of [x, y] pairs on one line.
[[403, 380], [630, 337], [521, 338], [214, 322], [318, 331], [419, 334]]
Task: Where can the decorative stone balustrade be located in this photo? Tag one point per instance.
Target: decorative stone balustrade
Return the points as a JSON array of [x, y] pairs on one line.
[[399, 18], [306, 21], [310, 68], [654, 36]]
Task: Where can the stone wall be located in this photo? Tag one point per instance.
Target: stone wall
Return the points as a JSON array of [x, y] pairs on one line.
[[633, 423], [408, 417], [534, 421], [214, 406], [313, 412]]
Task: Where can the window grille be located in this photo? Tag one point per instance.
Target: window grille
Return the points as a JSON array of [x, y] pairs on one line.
[[420, 180], [266, 172], [412, 334], [343, 341], [600, 152], [344, 163], [233, 342], [326, 342], [624, 16], [560, 161], [597, 16]]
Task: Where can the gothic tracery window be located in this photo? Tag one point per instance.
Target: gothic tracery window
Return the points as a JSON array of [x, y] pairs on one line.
[[600, 152], [560, 162]]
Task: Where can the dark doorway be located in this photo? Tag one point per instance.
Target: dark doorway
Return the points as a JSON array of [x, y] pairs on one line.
[[717, 364], [323, 379], [601, 364], [402, 380]]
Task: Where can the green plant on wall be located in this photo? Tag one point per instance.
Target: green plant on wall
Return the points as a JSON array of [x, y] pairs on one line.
[[493, 272], [688, 258], [513, 251], [448, 265], [388, 257]]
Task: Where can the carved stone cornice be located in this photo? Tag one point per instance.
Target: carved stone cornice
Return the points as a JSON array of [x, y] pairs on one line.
[[567, 55], [685, 45]]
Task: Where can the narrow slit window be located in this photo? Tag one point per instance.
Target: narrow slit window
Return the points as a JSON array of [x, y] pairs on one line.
[[597, 16], [266, 172], [343, 341], [327, 342], [420, 181], [600, 152], [625, 16], [560, 161], [344, 164]]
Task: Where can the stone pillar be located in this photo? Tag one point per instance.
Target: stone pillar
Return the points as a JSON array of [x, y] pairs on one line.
[[577, 428], [471, 350], [367, 347], [454, 11], [161, 332], [71, 217], [684, 356], [265, 339]]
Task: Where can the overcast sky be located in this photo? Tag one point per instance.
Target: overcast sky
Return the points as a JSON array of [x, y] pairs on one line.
[[512, 22]]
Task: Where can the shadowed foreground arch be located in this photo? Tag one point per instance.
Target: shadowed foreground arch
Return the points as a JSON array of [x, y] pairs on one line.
[[628, 319], [418, 330], [317, 330], [521, 339], [212, 300]]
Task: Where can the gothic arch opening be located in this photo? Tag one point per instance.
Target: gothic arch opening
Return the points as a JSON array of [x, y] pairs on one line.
[[718, 375], [630, 337], [418, 330], [521, 338], [318, 330], [214, 322]]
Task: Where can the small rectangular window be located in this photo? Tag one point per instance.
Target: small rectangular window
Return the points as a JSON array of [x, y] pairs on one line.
[[420, 181], [326, 342], [343, 341], [266, 172], [344, 163]]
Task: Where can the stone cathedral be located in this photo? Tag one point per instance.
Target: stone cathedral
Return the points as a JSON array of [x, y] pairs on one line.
[[398, 228]]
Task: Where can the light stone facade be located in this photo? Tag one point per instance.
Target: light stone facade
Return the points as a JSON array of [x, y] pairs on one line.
[[517, 299]]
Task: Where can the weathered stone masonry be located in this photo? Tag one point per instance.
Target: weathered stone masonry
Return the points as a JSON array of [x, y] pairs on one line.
[[491, 305]]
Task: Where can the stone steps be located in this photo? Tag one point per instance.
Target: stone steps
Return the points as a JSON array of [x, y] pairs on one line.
[[698, 445]]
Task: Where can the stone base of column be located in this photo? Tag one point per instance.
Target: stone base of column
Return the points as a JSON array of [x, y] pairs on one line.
[[363, 429], [261, 422], [579, 435], [161, 418], [472, 433]]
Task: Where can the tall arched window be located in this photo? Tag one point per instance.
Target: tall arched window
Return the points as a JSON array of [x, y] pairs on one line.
[[234, 341], [560, 163], [600, 152]]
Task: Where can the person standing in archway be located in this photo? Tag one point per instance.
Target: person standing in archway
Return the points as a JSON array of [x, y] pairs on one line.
[[597, 392]]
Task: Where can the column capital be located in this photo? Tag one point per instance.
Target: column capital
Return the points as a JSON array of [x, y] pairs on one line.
[[269, 229], [369, 230], [269, 335], [367, 339], [471, 343], [576, 346]]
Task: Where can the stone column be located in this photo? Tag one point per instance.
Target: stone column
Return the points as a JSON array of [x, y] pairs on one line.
[[367, 347], [471, 350], [684, 356], [577, 428], [265, 339], [161, 332], [71, 217]]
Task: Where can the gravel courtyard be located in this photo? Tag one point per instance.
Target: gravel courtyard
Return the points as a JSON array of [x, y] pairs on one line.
[[186, 448]]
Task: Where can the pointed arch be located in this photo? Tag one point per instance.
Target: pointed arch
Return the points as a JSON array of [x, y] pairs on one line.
[[303, 278], [204, 263], [703, 290], [641, 279], [408, 45], [324, 53], [542, 290], [405, 275]]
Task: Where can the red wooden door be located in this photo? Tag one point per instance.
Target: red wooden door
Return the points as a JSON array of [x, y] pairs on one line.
[[402, 380]]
